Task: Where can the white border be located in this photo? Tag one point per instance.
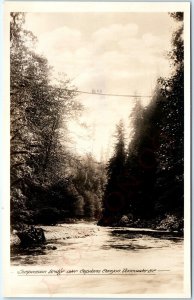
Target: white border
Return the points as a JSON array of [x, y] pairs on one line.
[[98, 7]]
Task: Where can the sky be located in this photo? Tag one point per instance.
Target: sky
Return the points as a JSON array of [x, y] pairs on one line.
[[117, 53]]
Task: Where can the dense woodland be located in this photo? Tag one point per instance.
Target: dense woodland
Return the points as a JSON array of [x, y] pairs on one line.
[[141, 184], [48, 182], [145, 178]]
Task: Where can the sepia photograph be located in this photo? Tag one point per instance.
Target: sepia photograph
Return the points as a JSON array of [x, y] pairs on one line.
[[99, 152]]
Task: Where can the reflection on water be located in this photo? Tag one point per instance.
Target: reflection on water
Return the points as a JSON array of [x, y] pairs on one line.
[[18, 251], [123, 239], [110, 248], [109, 239], [131, 246], [131, 233]]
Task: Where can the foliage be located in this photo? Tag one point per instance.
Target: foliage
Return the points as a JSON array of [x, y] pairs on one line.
[[150, 174], [171, 222], [89, 179], [113, 200], [38, 115], [171, 151], [143, 180]]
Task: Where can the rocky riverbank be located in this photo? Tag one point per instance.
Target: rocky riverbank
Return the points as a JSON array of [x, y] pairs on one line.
[[169, 223], [61, 231], [166, 223]]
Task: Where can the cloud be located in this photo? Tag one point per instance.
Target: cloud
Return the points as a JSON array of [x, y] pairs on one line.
[[60, 39], [115, 32], [108, 58], [153, 41], [115, 59]]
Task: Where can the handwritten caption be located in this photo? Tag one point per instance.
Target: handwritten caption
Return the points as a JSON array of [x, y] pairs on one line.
[[62, 271]]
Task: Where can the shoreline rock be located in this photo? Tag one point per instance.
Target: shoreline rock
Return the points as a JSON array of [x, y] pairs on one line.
[[57, 232], [168, 222], [30, 236]]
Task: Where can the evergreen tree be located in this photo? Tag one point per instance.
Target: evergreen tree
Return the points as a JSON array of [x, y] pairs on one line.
[[141, 159], [114, 201], [155, 156], [150, 183], [171, 152]]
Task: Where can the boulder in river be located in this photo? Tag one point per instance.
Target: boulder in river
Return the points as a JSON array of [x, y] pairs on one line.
[[31, 236], [51, 247]]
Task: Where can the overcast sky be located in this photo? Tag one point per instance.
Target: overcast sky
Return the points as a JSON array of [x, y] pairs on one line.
[[121, 53]]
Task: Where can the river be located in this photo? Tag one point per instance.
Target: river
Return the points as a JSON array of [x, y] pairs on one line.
[[112, 261]]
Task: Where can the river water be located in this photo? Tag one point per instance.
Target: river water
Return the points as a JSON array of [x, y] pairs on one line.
[[112, 261]]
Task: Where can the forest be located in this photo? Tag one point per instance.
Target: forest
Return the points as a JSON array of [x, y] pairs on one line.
[[141, 185]]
